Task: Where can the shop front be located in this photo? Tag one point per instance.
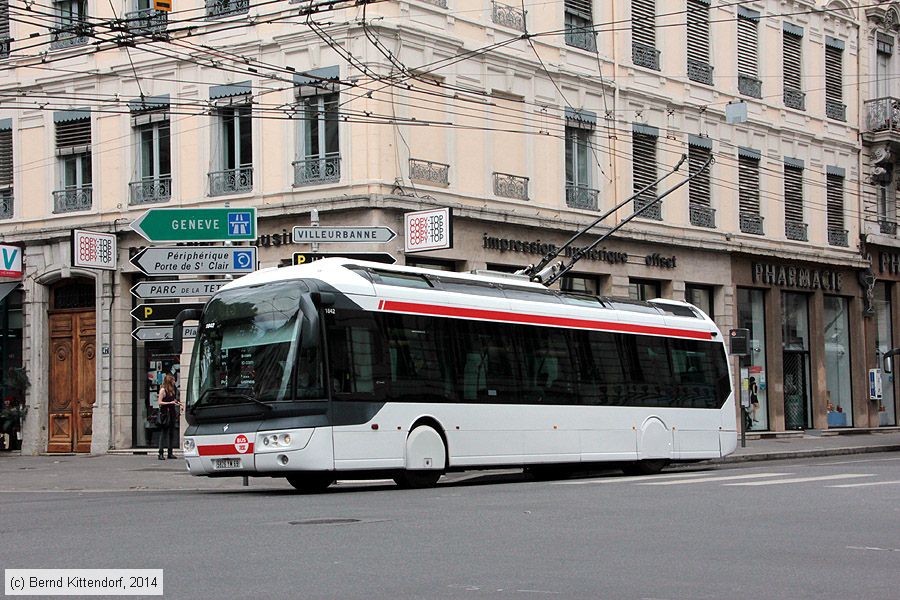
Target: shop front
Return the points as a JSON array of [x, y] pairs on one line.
[[806, 368], [882, 281]]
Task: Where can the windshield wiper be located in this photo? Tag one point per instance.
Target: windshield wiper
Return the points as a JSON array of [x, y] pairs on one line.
[[228, 392]]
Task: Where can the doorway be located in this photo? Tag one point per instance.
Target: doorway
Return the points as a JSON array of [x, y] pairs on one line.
[[72, 387], [796, 384]]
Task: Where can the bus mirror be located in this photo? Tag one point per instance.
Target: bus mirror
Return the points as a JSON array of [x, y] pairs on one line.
[[322, 299], [192, 314]]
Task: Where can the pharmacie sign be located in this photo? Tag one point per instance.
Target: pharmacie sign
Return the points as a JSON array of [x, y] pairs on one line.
[[802, 278]]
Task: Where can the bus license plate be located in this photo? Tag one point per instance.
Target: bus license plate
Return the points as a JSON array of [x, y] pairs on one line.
[[226, 463]]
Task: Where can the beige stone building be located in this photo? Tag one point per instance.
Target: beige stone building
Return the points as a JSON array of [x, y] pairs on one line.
[[529, 121]]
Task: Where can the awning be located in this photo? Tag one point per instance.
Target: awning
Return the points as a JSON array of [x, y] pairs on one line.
[[7, 288], [65, 116], [148, 103]]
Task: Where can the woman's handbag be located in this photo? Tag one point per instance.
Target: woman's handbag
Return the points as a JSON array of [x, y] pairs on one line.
[[163, 419]]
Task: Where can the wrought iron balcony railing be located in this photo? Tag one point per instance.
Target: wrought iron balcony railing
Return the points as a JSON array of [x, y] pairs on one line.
[[438, 3], [510, 186], [883, 114], [326, 169], [225, 8], [150, 190], [749, 86], [702, 216], [508, 16], [653, 212], [72, 199], [837, 237], [751, 223], [426, 170], [887, 226], [231, 181], [795, 99], [146, 21], [581, 197], [835, 110], [795, 230], [699, 71], [644, 56], [6, 203], [69, 37], [581, 37]]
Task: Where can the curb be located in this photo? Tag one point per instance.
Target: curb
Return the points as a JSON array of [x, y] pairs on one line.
[[787, 455]]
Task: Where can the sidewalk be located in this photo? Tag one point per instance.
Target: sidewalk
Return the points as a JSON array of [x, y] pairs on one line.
[[128, 471]]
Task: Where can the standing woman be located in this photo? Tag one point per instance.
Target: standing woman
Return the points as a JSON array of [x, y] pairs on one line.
[[168, 412]]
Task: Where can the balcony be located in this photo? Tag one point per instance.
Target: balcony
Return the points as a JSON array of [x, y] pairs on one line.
[[702, 216], [438, 3], [837, 237], [887, 226], [699, 71], [231, 181], [69, 37], [882, 114], [150, 190], [751, 223], [649, 209], [146, 21], [226, 8], [510, 186], [6, 203], [72, 199], [835, 110], [326, 169], [508, 16], [426, 170], [749, 86], [578, 196], [795, 99], [795, 230], [644, 56], [581, 37]]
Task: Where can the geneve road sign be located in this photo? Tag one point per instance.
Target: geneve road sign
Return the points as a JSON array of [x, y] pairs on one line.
[[302, 258], [161, 312], [183, 288], [161, 333], [196, 260], [197, 224], [351, 235]]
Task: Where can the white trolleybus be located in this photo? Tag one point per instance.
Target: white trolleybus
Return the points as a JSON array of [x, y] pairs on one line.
[[346, 369]]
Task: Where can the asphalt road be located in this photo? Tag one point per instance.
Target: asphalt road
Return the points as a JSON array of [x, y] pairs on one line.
[[816, 528]]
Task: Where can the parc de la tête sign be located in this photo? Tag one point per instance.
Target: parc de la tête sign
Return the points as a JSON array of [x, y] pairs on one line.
[[197, 224], [802, 278]]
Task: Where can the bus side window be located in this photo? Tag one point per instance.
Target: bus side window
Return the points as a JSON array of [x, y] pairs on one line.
[[353, 356]]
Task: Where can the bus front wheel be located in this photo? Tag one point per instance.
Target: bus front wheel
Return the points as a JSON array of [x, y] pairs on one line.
[[645, 467], [310, 483]]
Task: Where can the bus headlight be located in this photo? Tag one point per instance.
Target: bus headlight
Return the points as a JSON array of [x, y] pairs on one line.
[[189, 445]]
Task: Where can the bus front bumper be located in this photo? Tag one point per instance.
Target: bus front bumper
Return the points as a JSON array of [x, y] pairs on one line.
[[263, 452]]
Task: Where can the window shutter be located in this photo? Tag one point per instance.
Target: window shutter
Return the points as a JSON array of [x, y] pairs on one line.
[[747, 47], [793, 194], [6, 158], [833, 73], [73, 134], [644, 161], [792, 61], [581, 8], [643, 22], [698, 31], [699, 188], [835, 197], [748, 185]]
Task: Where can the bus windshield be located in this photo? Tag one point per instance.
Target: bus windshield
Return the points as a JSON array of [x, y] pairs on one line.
[[256, 345]]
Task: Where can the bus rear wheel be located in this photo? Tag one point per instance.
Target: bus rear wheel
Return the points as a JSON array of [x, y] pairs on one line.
[[645, 467], [310, 483], [411, 480]]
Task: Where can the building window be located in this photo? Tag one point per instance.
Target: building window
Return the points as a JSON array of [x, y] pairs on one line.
[[751, 220], [884, 342], [834, 194], [794, 225], [152, 181], [749, 83], [698, 67], [582, 284], [319, 156], [834, 79], [838, 396], [792, 61], [431, 263], [702, 214], [795, 360], [145, 19], [579, 25], [643, 34], [751, 315], [701, 296], [6, 169], [643, 289], [883, 55], [887, 209], [71, 24], [579, 193], [233, 157], [644, 174], [73, 149]]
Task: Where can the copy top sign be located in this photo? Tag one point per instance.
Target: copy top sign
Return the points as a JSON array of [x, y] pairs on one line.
[[93, 250], [10, 261], [428, 230]]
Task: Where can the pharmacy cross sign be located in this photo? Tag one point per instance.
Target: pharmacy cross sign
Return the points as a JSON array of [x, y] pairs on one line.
[[197, 224]]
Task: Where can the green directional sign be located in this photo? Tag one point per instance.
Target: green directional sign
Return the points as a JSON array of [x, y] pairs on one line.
[[197, 224]]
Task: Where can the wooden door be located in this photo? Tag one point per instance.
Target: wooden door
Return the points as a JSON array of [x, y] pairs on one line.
[[72, 380]]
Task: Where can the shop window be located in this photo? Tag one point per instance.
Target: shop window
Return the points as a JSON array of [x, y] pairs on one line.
[[751, 313], [643, 289], [795, 360], [585, 284], [431, 263], [701, 296], [884, 342], [838, 399]]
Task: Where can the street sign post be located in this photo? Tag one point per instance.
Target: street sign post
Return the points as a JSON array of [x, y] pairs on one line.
[[197, 224], [196, 260], [302, 258], [352, 235], [183, 288], [161, 333], [146, 313]]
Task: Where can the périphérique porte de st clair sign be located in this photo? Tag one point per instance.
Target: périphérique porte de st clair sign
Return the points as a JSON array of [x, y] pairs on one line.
[[197, 224], [196, 260]]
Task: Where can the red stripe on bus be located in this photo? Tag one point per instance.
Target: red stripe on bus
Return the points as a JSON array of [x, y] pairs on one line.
[[497, 315], [222, 449]]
